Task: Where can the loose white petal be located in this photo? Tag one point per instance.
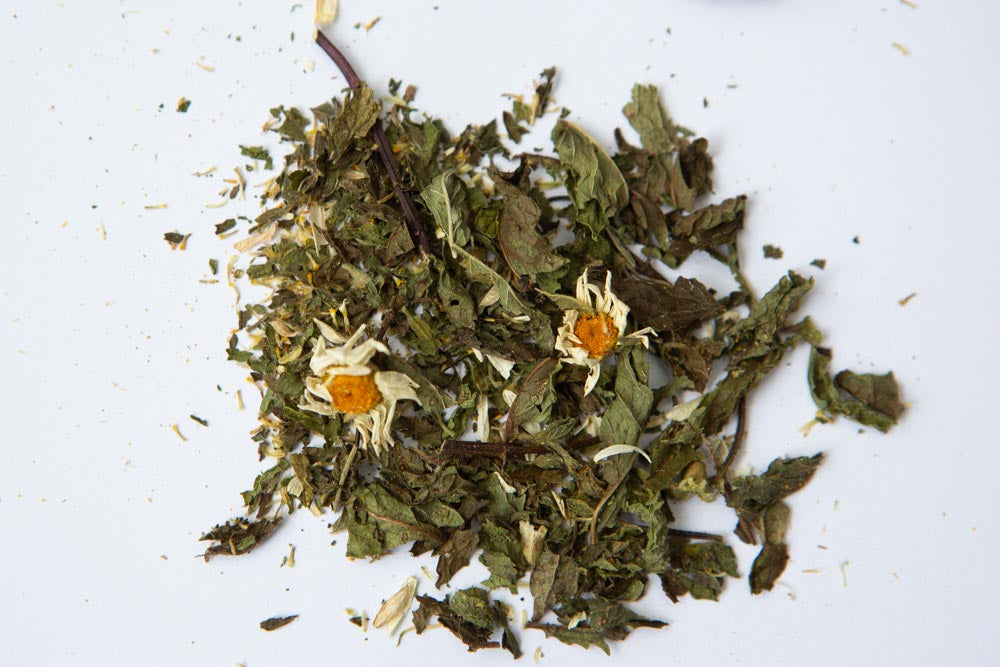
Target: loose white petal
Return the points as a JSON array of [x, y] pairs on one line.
[[283, 328], [509, 395], [503, 366], [397, 607], [684, 410], [592, 377], [578, 618], [329, 332], [492, 296], [291, 355], [483, 420], [532, 539], [507, 488], [614, 450], [251, 241]]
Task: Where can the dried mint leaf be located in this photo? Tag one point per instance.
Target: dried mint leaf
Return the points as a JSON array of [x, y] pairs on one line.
[[277, 622], [465, 273], [869, 399]]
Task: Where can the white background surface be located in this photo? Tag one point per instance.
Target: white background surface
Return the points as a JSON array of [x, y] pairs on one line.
[[105, 342]]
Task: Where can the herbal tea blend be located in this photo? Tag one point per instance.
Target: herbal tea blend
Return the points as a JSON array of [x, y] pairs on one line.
[[456, 353]]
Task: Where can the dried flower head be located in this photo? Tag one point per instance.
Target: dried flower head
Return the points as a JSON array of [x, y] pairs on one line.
[[344, 381], [594, 330]]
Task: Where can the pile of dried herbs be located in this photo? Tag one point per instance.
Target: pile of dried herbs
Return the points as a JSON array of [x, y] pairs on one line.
[[455, 357]]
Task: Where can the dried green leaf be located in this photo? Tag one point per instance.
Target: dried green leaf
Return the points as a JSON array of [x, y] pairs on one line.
[[277, 622], [255, 153], [554, 579], [752, 494], [591, 175], [473, 606], [455, 554], [767, 567], [646, 114], [526, 251], [872, 400]]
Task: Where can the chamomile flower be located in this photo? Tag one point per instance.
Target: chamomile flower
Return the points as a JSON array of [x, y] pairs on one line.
[[595, 330], [344, 381]]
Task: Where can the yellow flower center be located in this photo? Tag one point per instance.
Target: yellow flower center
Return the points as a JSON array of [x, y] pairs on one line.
[[597, 333], [353, 394]]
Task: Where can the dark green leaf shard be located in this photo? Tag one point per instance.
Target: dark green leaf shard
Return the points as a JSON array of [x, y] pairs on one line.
[[646, 114], [591, 175], [257, 153], [277, 622], [767, 567], [473, 606], [869, 399], [526, 251], [238, 536]]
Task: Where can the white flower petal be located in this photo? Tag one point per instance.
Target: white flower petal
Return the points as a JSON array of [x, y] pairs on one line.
[[317, 387], [507, 488], [334, 371], [396, 386], [503, 366], [312, 405], [582, 293], [615, 450], [492, 296], [329, 332], [592, 377], [394, 610], [684, 410], [365, 425], [532, 540], [363, 353], [509, 395], [483, 418]]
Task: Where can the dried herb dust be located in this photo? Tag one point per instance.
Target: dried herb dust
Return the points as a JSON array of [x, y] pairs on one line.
[[455, 358]]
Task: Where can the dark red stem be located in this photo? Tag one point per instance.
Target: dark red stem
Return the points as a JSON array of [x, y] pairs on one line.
[[416, 229]]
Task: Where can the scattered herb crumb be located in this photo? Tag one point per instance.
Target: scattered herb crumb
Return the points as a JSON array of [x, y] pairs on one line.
[[843, 572], [906, 299], [277, 622], [183, 105], [177, 431], [225, 226], [909, 3], [257, 153], [203, 422], [819, 264], [213, 265], [176, 240], [289, 560], [856, 240], [901, 48], [152, 207], [773, 252]]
